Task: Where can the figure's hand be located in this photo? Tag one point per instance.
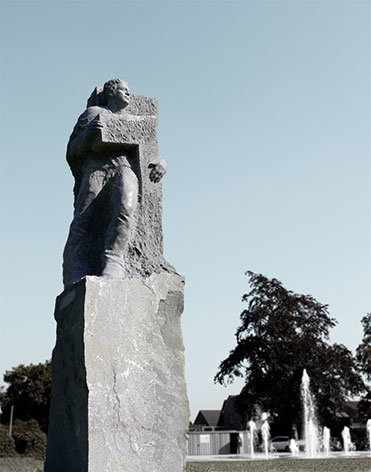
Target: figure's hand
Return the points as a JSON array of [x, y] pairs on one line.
[[158, 170]]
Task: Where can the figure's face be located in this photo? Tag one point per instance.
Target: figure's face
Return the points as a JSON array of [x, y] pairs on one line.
[[122, 92]]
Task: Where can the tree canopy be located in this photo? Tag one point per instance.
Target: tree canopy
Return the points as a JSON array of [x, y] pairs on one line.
[[282, 333], [29, 392], [363, 355], [364, 349]]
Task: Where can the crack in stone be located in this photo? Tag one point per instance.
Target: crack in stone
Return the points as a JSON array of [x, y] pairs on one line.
[[118, 402]]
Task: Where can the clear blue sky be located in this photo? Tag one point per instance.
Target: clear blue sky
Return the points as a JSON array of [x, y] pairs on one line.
[[264, 122]]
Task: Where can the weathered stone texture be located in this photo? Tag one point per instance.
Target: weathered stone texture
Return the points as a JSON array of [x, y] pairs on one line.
[[130, 231], [119, 399], [138, 128]]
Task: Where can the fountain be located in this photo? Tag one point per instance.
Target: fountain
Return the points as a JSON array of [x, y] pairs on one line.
[[347, 442], [317, 445], [252, 428], [265, 433], [368, 427], [294, 448], [310, 420], [326, 440]]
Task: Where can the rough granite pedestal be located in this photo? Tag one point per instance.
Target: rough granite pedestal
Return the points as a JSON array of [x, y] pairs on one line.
[[119, 401]]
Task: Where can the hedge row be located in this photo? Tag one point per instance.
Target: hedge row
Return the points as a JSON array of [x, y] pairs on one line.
[[27, 439]]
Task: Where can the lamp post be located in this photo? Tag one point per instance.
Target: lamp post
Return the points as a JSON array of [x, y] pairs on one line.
[[11, 420]]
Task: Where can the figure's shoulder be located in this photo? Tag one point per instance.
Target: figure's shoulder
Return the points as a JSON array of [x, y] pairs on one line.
[[91, 112], [86, 117]]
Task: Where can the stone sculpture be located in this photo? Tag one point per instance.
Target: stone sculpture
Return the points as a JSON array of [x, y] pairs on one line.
[[113, 155], [119, 400]]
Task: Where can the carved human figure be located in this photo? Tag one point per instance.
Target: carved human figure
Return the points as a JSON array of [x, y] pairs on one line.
[[99, 171]]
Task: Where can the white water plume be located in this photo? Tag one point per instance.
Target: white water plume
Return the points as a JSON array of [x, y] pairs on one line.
[[347, 441], [294, 448], [265, 433], [252, 428], [310, 420], [368, 427], [326, 440]]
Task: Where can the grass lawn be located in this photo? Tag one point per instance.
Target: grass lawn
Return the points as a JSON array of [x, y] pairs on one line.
[[284, 465]]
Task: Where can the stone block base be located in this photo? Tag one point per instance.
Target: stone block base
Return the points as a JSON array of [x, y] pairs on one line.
[[119, 401]]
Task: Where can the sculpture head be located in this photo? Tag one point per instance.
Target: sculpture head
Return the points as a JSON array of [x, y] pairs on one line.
[[117, 92]]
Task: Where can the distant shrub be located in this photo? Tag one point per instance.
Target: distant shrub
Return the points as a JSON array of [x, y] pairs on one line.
[[360, 439], [7, 447], [29, 440]]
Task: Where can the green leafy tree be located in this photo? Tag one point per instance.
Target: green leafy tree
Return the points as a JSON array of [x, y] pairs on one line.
[[281, 334], [364, 349], [363, 355], [29, 392]]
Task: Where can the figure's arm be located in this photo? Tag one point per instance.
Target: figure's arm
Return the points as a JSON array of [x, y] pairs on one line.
[[80, 142], [83, 134], [158, 170]]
